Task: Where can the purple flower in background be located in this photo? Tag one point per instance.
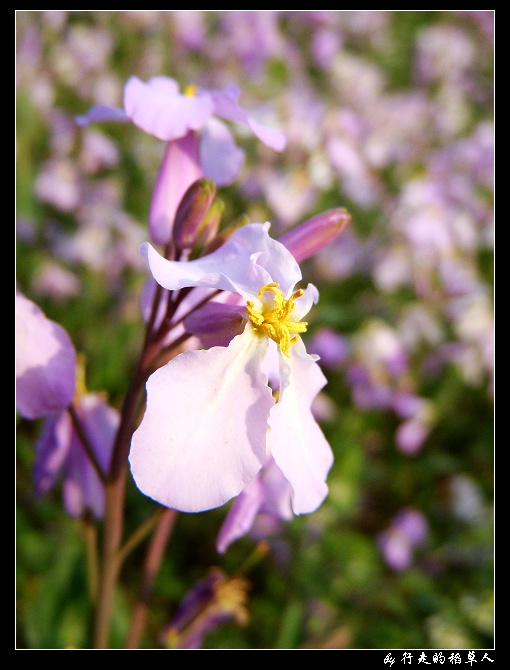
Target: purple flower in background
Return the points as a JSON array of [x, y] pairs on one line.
[[407, 530], [158, 108], [59, 451], [330, 346], [229, 422], [45, 362], [213, 601]]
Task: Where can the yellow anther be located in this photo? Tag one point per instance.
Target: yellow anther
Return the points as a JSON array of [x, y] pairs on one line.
[[273, 318], [81, 386], [190, 91]]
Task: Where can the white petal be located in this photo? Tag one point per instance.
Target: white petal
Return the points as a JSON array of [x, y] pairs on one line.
[[246, 262], [203, 436], [296, 442]]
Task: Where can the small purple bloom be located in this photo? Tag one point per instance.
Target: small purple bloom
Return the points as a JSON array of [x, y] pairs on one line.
[[411, 434], [213, 601], [407, 530], [330, 346], [59, 451]]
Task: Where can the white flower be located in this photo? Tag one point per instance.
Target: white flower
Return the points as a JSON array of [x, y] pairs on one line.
[[212, 419]]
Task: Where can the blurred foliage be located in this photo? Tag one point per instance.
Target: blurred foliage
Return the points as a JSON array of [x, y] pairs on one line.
[[324, 582]]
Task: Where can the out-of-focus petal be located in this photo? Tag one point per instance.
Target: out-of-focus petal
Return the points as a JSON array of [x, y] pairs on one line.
[[45, 362], [226, 105], [203, 435], [277, 498], [296, 442], [222, 160], [179, 168], [165, 115], [100, 113], [82, 487], [241, 515], [51, 451]]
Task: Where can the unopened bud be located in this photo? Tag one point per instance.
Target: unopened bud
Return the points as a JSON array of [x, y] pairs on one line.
[[225, 233], [316, 233], [209, 227], [191, 211]]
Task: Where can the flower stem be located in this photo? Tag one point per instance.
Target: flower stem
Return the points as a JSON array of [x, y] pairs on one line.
[[152, 562], [114, 500], [86, 442]]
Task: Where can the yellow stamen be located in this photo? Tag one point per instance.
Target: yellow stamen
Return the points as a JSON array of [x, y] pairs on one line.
[[190, 91], [81, 386], [273, 318]]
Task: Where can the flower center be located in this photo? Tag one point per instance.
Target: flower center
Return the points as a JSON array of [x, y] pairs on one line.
[[273, 318], [190, 91]]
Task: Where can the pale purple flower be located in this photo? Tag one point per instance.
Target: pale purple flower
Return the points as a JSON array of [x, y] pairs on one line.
[[58, 183], [407, 531], [330, 346], [158, 108], [45, 362], [411, 434], [59, 452], [211, 419]]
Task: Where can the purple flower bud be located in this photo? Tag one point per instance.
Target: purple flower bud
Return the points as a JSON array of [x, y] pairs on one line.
[[208, 229], [310, 237], [191, 211]]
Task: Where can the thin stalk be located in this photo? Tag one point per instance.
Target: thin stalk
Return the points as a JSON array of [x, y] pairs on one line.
[[90, 537], [140, 534], [115, 495], [78, 425], [152, 562]]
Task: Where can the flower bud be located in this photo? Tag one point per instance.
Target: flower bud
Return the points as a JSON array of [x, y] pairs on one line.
[[316, 233], [208, 229], [191, 211]]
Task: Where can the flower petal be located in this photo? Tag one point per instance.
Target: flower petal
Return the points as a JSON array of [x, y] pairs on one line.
[[203, 436], [51, 451], [220, 157], [216, 323], [304, 303], [226, 106], [248, 260], [296, 442], [100, 113], [179, 168], [241, 515], [162, 113], [45, 362], [82, 488]]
